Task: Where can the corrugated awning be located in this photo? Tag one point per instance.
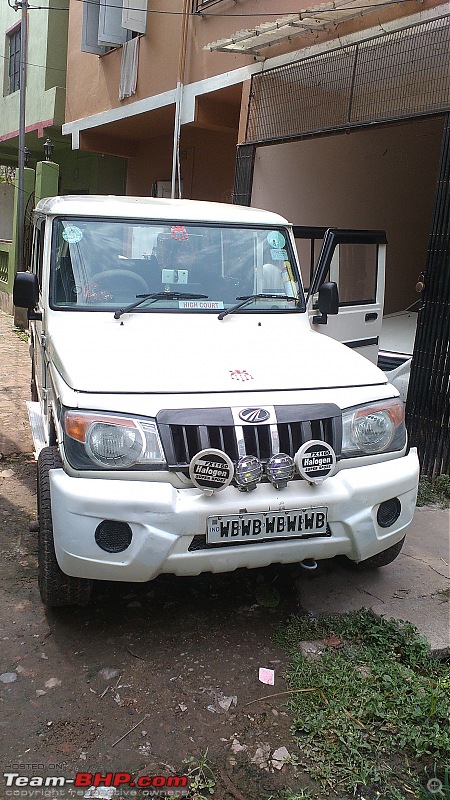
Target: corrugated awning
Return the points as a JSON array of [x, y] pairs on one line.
[[317, 18]]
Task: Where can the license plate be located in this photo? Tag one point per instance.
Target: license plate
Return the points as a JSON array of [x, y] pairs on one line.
[[238, 528]]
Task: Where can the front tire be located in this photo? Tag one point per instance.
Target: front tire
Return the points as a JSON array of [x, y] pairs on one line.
[[56, 588], [380, 560]]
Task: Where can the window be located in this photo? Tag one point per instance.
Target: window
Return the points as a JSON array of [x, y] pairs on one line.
[[200, 4], [38, 250], [357, 264], [13, 50], [107, 264], [107, 24]]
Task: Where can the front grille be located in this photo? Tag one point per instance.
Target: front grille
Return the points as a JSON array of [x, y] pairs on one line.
[[184, 432]]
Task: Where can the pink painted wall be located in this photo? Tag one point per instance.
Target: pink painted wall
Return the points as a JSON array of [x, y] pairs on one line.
[[383, 178]]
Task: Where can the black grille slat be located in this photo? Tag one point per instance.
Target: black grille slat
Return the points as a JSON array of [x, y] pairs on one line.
[[257, 441], [306, 431], [264, 442], [193, 438], [316, 429], [180, 443], [286, 438], [204, 437], [215, 434], [211, 428]]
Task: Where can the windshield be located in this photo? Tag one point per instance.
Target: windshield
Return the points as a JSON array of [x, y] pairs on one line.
[[105, 264]]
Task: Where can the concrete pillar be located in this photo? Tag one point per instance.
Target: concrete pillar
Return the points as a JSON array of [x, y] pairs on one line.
[[47, 179], [28, 189]]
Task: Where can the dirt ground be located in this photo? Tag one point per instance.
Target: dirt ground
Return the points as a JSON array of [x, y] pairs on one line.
[[141, 680]]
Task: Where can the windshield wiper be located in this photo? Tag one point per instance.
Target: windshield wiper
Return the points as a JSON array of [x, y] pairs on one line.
[[158, 296], [248, 298]]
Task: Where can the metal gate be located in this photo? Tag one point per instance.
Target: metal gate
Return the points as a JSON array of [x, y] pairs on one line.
[[428, 397], [398, 75], [27, 232]]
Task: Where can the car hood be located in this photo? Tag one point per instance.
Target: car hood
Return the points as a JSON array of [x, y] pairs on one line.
[[183, 353]]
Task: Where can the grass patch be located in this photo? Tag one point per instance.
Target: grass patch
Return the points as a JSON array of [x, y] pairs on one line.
[[201, 776], [434, 492], [22, 334], [378, 718]]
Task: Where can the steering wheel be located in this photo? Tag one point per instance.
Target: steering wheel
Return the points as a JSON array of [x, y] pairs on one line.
[[120, 284]]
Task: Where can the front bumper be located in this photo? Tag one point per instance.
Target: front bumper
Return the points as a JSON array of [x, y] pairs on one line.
[[164, 520]]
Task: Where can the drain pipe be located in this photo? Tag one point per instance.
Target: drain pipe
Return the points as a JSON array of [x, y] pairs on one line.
[[179, 101]]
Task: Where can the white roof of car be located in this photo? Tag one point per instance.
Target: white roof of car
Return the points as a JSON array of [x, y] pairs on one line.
[[156, 209]]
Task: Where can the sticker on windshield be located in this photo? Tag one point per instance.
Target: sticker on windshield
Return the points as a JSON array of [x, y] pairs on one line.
[[179, 233], [174, 276], [201, 304], [72, 234], [276, 239], [278, 254]]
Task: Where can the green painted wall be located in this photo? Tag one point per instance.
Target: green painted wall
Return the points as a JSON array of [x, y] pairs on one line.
[[46, 185], [90, 173], [46, 60], [56, 57]]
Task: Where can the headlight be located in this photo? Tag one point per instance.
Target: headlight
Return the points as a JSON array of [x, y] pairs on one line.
[[375, 428], [111, 441]]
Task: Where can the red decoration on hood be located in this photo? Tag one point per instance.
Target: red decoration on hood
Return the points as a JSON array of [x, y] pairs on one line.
[[240, 375]]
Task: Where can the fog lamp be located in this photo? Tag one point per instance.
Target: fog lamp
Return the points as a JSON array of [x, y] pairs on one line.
[[113, 536], [248, 473], [389, 512], [280, 469]]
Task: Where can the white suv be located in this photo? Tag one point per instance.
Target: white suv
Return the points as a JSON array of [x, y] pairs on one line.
[[189, 416]]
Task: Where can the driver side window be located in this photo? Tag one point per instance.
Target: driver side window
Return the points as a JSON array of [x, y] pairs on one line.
[[38, 251]]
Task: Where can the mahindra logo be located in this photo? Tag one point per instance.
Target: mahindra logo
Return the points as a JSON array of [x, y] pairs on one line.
[[254, 415]]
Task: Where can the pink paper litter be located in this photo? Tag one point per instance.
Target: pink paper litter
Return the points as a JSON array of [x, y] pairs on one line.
[[267, 676]]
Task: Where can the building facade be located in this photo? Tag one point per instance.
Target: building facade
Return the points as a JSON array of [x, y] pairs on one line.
[[45, 99], [335, 115]]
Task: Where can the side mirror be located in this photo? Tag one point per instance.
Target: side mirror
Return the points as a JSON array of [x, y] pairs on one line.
[[328, 302], [26, 290]]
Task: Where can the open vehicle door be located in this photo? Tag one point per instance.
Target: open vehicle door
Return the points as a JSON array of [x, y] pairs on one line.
[[355, 261]]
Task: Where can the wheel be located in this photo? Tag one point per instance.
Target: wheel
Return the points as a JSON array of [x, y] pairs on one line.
[[380, 560], [56, 588], [122, 284]]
